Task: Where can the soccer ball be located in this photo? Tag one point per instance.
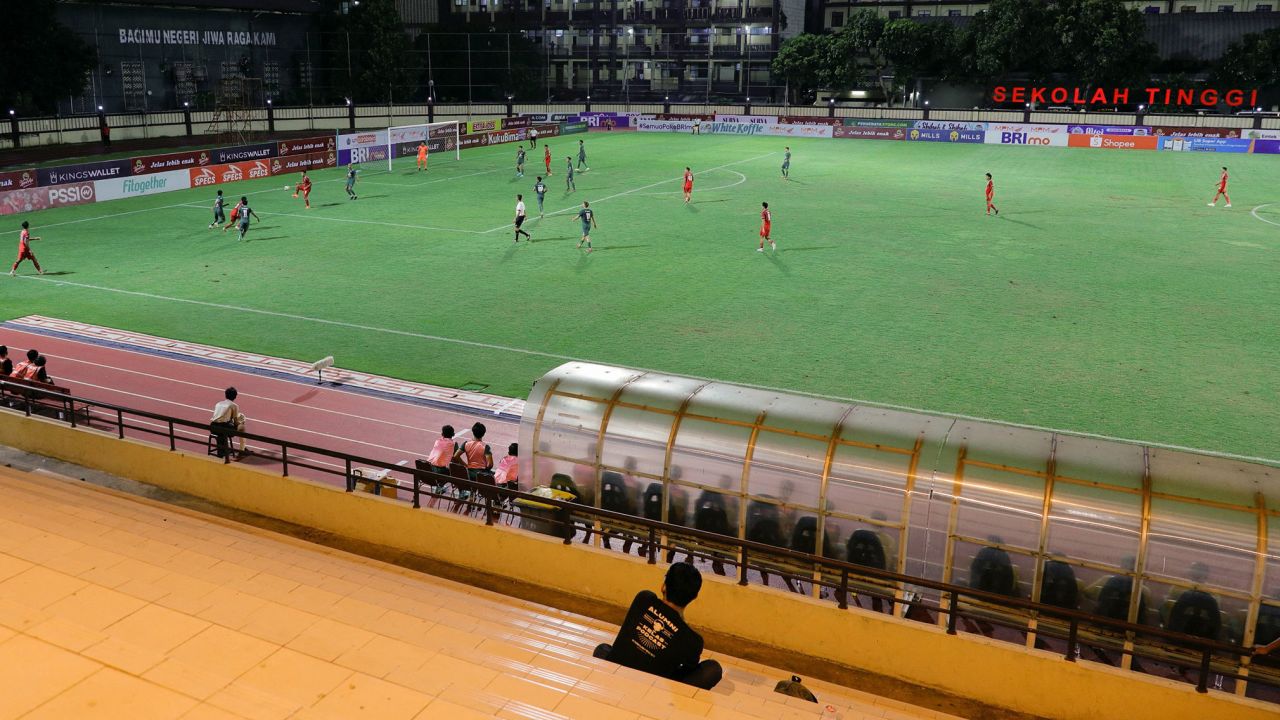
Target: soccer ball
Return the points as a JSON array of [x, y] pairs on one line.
[[286, 187]]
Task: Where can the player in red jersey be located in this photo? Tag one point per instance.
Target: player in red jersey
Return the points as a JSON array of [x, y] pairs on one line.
[[24, 249], [688, 185], [991, 193], [304, 187], [1222, 190], [235, 215], [546, 158], [766, 223]]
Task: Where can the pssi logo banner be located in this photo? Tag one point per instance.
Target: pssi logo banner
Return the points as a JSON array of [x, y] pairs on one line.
[[30, 199], [955, 136], [1114, 142]]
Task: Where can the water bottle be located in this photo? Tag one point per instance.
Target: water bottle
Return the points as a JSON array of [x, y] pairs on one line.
[[829, 713]]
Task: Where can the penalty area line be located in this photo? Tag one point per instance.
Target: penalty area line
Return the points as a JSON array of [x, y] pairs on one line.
[[1256, 216], [568, 358]]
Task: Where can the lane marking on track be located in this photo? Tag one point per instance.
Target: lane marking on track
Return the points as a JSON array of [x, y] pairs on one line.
[[639, 189], [569, 358]]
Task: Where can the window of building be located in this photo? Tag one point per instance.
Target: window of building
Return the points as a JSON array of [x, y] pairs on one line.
[[954, 13], [923, 13], [1152, 10], [895, 14], [837, 19], [1226, 8], [1188, 8], [1263, 8]]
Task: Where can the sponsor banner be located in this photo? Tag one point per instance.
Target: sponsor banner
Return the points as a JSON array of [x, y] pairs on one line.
[[663, 125], [32, 198], [569, 128], [1195, 132], [807, 120], [751, 119], [871, 133], [377, 153], [1210, 144], [1114, 142], [228, 172], [18, 180], [172, 161], [683, 116], [362, 140], [517, 122], [1267, 146], [493, 138], [1258, 134], [1024, 137], [297, 163], [240, 153], [83, 172], [854, 122], [952, 135], [117, 188], [1039, 129], [472, 127], [948, 125], [414, 134], [434, 145], [1107, 130], [727, 128], [546, 131], [299, 146], [598, 120]]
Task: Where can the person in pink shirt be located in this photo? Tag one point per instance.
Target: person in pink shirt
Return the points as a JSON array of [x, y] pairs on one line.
[[507, 473], [442, 451]]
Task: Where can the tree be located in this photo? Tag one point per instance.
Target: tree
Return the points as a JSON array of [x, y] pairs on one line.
[[1253, 61], [379, 49], [41, 60], [1012, 36], [799, 63], [1101, 43], [918, 50]]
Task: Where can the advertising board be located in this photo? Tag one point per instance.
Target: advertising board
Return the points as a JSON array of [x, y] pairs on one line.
[[952, 135], [297, 163], [123, 187], [948, 125], [1114, 142], [1201, 144], [83, 172], [297, 146], [856, 122], [871, 133], [1196, 132], [1026, 134], [228, 172], [1267, 146], [749, 119], [32, 198], [172, 161], [18, 180], [1108, 130], [240, 153]]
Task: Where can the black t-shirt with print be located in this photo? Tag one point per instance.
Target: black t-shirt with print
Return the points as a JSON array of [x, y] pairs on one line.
[[655, 639]]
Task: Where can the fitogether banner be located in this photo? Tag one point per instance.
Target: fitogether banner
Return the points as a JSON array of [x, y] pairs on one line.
[[117, 188]]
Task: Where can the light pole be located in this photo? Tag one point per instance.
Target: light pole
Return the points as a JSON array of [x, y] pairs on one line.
[[626, 67]]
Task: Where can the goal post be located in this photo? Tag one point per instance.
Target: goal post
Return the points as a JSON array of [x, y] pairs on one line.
[[403, 140]]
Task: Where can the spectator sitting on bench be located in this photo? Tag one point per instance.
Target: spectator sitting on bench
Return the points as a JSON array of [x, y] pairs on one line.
[[6, 365], [506, 474], [41, 376], [475, 454], [654, 637], [25, 370], [227, 421]]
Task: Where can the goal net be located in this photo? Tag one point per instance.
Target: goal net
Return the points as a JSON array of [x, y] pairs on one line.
[[440, 137]]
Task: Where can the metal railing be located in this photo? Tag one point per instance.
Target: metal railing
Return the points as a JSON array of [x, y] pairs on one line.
[[829, 577]]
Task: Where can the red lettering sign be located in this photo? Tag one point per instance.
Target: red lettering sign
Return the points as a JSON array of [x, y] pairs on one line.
[[1104, 96]]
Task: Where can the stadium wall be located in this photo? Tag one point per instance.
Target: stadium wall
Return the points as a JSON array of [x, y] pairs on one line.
[[988, 671]]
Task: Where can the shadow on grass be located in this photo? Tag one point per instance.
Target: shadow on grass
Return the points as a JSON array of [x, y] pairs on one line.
[[1020, 222], [59, 273], [808, 248], [620, 247], [250, 238], [778, 262]]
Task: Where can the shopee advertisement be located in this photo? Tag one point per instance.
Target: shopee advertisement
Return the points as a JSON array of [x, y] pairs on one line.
[[1114, 142]]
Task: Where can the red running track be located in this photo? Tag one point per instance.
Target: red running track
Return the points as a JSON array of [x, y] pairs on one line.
[[321, 416]]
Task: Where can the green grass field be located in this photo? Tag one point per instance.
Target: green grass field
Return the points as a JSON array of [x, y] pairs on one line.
[[1105, 298]]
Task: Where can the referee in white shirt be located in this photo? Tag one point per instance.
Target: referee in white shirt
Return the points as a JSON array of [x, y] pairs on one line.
[[227, 421], [520, 219]]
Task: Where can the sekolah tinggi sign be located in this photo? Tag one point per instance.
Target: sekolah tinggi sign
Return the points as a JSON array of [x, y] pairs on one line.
[[1102, 96]]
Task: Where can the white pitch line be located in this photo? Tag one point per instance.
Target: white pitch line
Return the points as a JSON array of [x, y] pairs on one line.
[[769, 388], [1254, 213], [304, 318], [741, 179], [370, 222], [636, 190]]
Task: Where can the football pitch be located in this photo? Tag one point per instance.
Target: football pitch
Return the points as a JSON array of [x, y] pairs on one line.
[[1105, 298]]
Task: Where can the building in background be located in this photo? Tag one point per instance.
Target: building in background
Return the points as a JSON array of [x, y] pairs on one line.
[[688, 50], [160, 54], [834, 13]]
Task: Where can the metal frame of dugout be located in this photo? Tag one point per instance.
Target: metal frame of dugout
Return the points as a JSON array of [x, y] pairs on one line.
[[935, 490]]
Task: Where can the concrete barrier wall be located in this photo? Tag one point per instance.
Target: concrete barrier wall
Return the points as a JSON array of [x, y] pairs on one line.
[[988, 671]]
